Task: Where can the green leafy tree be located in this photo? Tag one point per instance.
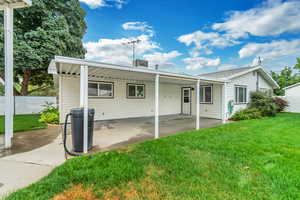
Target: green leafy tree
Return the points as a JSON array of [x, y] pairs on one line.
[[285, 78], [46, 29], [1, 90], [297, 65]]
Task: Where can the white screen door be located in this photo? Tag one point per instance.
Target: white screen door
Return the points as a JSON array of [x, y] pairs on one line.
[[186, 101]]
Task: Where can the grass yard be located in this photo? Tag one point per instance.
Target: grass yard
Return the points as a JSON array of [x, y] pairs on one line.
[[24, 123], [255, 159]]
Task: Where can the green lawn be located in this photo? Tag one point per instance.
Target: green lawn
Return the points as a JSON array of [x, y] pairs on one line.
[[24, 123], [256, 159]]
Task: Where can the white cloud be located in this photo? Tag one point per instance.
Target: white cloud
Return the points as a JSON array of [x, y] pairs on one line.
[[161, 59], [117, 51], [205, 41], [200, 62], [104, 3], [138, 26], [273, 17], [274, 49]]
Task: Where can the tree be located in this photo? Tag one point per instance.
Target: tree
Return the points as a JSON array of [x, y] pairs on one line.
[[45, 29], [285, 78], [297, 65], [1, 90]]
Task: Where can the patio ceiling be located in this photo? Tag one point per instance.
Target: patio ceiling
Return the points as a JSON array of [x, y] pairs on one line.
[[71, 67], [14, 3]]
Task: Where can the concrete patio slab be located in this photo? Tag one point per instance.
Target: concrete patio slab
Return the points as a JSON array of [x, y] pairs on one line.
[[116, 133]]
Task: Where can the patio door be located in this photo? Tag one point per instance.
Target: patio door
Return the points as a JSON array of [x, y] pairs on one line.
[[186, 101]]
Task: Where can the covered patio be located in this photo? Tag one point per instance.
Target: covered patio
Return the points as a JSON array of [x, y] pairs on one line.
[[111, 134], [169, 103]]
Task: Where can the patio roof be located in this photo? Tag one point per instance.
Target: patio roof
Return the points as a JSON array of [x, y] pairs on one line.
[[14, 3], [71, 67]]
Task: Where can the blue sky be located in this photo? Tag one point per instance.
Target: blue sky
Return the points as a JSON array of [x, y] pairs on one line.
[[194, 36]]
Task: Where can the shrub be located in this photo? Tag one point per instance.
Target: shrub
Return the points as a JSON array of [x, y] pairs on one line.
[[281, 104], [49, 118], [264, 103], [50, 114], [246, 114]]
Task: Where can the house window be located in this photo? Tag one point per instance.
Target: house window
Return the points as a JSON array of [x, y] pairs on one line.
[[240, 94], [135, 91], [206, 93], [101, 89]]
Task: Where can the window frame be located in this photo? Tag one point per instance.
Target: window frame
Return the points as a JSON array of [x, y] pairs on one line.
[[136, 85], [206, 86], [98, 89], [236, 94]]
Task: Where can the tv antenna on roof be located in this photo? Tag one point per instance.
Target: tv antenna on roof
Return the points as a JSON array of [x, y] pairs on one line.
[[259, 62], [133, 43]]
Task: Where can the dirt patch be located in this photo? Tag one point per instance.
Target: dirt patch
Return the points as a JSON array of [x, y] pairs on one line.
[[126, 149], [146, 188], [77, 192]]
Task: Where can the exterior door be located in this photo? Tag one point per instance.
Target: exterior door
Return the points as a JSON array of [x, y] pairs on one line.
[[186, 101]]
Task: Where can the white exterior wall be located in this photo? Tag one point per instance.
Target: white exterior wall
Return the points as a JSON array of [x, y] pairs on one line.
[[28, 104], [263, 83], [248, 80], [210, 110], [292, 95], [120, 106], [170, 98]]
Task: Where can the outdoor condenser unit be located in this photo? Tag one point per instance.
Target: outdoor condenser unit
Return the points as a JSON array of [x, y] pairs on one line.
[[141, 63]]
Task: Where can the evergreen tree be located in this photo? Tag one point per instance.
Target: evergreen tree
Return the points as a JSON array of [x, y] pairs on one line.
[[46, 29]]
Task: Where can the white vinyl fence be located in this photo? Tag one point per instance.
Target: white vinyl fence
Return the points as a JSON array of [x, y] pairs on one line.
[[28, 104]]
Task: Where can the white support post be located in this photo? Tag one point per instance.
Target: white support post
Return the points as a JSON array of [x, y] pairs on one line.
[[198, 106], [9, 95], [82, 76], [157, 106], [84, 104], [224, 103]]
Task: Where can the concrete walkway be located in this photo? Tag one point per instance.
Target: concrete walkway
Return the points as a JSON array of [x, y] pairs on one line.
[[19, 170]]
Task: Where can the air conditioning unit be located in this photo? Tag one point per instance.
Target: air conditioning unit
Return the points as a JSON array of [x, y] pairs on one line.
[[141, 63]]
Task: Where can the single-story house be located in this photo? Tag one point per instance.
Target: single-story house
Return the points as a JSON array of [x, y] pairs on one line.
[[117, 92], [292, 95]]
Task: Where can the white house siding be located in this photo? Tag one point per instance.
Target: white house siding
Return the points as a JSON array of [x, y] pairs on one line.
[[210, 110], [249, 80], [263, 84], [120, 106], [292, 95]]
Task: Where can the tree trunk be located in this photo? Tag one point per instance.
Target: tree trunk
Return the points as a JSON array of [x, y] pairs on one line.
[[25, 83]]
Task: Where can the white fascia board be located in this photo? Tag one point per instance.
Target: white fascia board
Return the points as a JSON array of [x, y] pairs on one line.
[[270, 78], [217, 80], [291, 86], [52, 69], [267, 75], [14, 4]]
